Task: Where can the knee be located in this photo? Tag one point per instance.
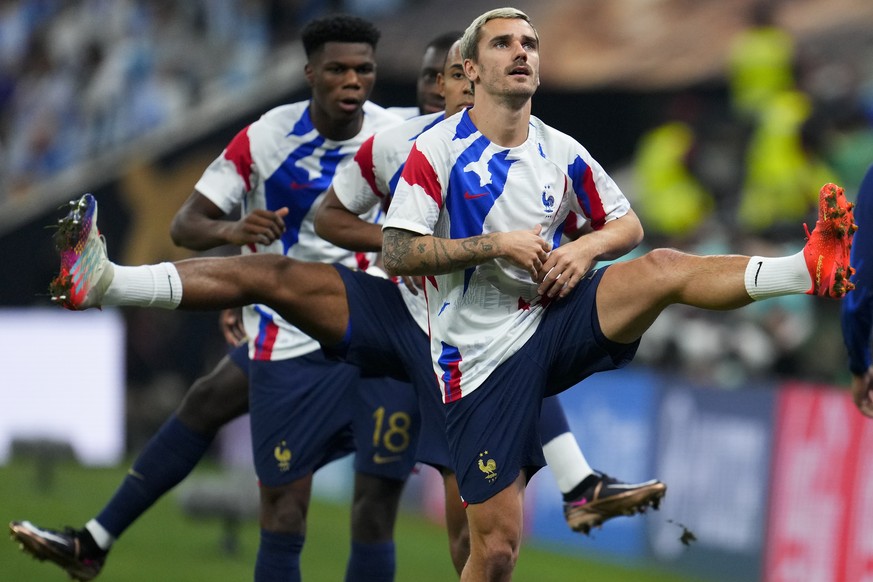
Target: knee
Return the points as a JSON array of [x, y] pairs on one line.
[[663, 267], [664, 259], [290, 280], [281, 512], [213, 401], [374, 508], [498, 554]]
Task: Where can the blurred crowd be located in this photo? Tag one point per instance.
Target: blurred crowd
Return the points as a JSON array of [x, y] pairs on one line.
[[736, 170], [80, 76], [740, 174]]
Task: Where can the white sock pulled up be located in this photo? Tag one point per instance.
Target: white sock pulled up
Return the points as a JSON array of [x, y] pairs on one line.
[[145, 286], [772, 277]]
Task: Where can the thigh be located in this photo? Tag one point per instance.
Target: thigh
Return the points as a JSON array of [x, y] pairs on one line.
[[301, 413]]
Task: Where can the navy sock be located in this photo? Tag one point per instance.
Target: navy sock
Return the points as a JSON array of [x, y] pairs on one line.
[[371, 563], [167, 458], [278, 557], [553, 421]]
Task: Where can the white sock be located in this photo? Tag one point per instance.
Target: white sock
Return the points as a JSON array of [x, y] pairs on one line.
[[772, 277], [103, 538], [566, 461], [145, 286]]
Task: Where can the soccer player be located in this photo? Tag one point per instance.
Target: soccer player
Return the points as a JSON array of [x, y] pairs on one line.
[[590, 497], [857, 308], [302, 403], [513, 317], [363, 318], [429, 98]]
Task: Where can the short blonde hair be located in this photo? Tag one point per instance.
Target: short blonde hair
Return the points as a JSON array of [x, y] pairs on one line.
[[470, 40]]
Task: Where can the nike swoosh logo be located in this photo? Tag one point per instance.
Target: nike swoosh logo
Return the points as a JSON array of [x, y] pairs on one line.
[[469, 196], [299, 186], [758, 271], [380, 460]]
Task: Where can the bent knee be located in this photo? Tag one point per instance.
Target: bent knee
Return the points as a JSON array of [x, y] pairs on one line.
[[663, 259], [214, 400], [499, 555]]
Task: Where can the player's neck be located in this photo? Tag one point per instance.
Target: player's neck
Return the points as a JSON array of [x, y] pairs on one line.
[[501, 123], [336, 129]]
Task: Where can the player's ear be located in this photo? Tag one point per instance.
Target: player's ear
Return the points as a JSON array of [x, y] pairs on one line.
[[441, 84], [470, 70], [309, 74]]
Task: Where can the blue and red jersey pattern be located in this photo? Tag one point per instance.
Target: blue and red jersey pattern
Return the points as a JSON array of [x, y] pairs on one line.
[[458, 184], [281, 160]]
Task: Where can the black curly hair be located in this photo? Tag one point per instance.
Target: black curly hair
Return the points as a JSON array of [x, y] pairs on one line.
[[338, 28]]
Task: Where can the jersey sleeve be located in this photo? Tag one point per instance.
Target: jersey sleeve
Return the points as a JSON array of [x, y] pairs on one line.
[[418, 196], [857, 306], [595, 194], [355, 182], [231, 175]]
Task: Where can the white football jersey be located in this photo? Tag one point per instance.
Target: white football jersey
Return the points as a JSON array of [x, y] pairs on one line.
[[457, 184], [282, 161]]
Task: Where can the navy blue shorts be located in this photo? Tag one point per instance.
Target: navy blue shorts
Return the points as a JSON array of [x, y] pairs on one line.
[[383, 339], [301, 415], [386, 427], [494, 431]]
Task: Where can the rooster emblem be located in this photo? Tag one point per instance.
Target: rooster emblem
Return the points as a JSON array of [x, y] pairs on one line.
[[489, 467], [283, 456]]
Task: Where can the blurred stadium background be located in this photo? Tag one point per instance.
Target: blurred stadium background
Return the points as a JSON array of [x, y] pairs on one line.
[[719, 119]]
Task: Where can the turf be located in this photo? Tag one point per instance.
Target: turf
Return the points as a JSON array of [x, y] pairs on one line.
[[166, 545]]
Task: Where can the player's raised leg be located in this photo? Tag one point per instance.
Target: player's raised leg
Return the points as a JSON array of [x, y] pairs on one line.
[[311, 295], [631, 295]]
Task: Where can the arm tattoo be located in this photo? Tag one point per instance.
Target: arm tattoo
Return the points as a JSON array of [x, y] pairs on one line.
[[402, 254], [396, 244]]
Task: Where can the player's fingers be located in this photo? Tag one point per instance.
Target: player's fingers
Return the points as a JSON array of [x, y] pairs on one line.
[[410, 284], [569, 285]]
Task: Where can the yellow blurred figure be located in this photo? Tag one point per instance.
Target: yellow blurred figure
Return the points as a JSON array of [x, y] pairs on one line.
[[759, 64], [782, 178], [670, 200]]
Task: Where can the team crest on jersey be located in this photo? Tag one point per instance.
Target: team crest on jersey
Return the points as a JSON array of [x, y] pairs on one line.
[[283, 456], [489, 467], [548, 200]]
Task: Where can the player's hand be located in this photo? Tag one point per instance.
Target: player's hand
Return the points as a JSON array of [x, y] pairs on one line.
[[231, 323], [260, 226], [413, 283], [525, 248], [862, 392], [564, 269]]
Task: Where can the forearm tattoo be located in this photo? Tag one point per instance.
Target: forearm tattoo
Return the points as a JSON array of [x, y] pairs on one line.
[[401, 254], [396, 244]]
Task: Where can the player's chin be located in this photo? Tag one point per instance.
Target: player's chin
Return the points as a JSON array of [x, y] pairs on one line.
[[349, 107]]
